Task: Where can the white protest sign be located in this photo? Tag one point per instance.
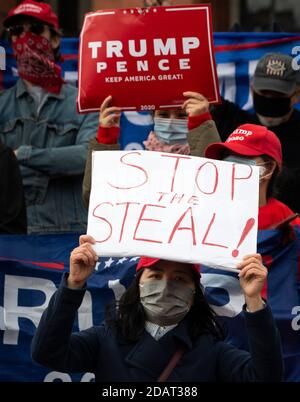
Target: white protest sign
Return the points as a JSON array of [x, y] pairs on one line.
[[175, 207]]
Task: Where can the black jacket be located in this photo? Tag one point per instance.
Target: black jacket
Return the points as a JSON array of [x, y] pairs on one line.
[[228, 116], [103, 351], [12, 202]]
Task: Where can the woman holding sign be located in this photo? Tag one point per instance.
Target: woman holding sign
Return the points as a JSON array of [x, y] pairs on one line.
[[188, 130], [162, 328]]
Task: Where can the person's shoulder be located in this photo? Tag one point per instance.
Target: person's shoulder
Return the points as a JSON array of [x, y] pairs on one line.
[[69, 89], [8, 93], [68, 95], [208, 341], [107, 330]]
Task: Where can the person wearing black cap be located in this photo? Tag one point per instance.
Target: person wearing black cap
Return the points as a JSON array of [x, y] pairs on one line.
[[275, 91], [161, 329], [39, 121]]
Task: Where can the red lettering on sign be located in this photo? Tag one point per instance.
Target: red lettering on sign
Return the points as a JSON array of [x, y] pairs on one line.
[[177, 157], [103, 219], [215, 181], [191, 228], [233, 178], [177, 197], [207, 233], [162, 195], [193, 200], [148, 220], [134, 166], [125, 215], [249, 225]]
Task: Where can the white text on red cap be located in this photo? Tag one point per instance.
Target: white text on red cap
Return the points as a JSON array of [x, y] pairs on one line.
[[244, 133], [29, 8]]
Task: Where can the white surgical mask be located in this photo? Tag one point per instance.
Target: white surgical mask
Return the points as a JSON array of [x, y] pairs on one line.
[[247, 161], [171, 131], [165, 302], [240, 159]]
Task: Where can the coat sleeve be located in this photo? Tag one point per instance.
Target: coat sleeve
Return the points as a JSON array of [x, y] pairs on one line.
[[94, 145], [67, 160], [12, 202], [200, 137], [264, 363], [54, 345], [228, 116]]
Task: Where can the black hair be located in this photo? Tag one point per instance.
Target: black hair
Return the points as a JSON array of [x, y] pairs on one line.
[[129, 316]]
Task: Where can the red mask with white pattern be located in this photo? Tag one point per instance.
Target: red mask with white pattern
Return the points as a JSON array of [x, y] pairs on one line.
[[36, 63]]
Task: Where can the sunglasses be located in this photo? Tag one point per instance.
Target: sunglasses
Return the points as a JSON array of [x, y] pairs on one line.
[[17, 30]]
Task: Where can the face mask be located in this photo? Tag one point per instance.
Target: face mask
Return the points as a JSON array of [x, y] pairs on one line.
[[240, 159], [171, 131], [247, 161], [275, 121], [271, 107], [165, 302], [35, 61]]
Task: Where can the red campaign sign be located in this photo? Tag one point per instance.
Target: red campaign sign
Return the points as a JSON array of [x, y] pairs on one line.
[[146, 57]]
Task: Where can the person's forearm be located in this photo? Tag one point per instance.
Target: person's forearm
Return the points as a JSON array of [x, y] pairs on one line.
[[67, 160], [196, 121], [50, 344], [108, 135], [264, 345], [254, 303], [73, 284]]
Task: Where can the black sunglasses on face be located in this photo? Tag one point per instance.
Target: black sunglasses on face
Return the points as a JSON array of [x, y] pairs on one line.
[[17, 30]]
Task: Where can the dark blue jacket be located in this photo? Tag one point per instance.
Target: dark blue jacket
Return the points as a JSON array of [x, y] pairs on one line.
[[103, 351]]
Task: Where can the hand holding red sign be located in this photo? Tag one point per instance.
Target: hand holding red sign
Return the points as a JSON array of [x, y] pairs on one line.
[[109, 116], [142, 61], [195, 105]]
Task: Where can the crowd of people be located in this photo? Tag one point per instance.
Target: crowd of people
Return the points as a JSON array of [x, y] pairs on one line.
[[45, 150]]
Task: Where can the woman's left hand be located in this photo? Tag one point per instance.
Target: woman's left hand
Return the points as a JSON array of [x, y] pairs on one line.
[[252, 278]]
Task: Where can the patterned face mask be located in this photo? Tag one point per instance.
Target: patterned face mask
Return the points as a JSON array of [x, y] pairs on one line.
[[35, 61]]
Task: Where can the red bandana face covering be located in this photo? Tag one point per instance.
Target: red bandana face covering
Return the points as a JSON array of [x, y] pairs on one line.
[[35, 61]]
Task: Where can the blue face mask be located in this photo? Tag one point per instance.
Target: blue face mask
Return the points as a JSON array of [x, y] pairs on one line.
[[247, 161], [171, 131], [239, 159]]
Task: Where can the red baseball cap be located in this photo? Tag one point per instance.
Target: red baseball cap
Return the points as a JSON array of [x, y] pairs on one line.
[[146, 262], [40, 11], [248, 140]]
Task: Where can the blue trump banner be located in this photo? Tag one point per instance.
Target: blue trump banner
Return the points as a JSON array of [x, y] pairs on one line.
[[236, 56], [31, 268]]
